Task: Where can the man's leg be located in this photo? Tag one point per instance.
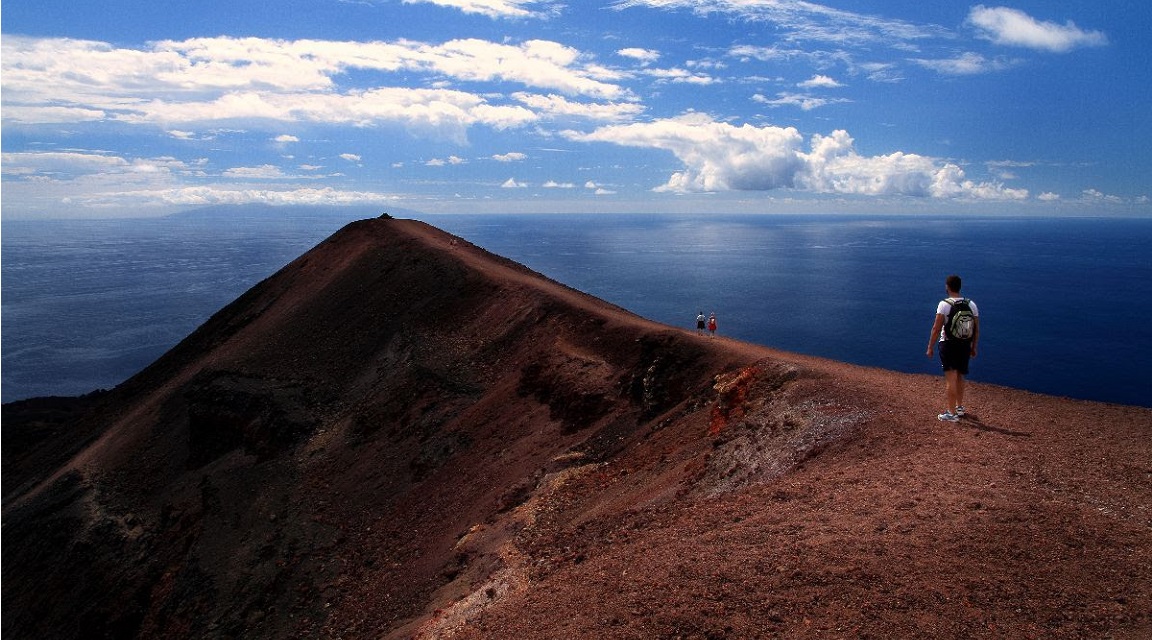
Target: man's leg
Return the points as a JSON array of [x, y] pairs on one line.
[[961, 383], [952, 382]]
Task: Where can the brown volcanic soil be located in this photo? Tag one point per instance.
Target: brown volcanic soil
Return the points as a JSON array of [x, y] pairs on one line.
[[400, 435]]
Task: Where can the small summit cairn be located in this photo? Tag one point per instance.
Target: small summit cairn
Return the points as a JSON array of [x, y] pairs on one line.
[[386, 216]]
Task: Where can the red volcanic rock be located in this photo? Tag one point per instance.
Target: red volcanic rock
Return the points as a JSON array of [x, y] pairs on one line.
[[400, 435]]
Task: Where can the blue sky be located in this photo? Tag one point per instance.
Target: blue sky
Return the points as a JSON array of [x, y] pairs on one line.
[[125, 107]]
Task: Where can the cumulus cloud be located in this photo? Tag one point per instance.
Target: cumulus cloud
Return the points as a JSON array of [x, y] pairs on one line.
[[511, 183], [644, 56], [719, 156], [820, 82], [285, 138], [597, 189], [834, 166], [1095, 196], [514, 156], [350, 157], [1012, 27], [443, 162]]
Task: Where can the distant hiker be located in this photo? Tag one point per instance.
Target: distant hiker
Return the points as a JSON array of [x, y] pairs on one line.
[[712, 325], [700, 323], [957, 329]]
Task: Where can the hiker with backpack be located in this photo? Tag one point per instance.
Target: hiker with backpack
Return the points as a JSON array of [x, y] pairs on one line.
[[956, 329]]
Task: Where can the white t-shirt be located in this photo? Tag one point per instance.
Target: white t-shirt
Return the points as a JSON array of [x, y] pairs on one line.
[[945, 307]]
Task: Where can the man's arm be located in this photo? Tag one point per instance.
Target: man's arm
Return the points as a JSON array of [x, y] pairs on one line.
[[935, 335]]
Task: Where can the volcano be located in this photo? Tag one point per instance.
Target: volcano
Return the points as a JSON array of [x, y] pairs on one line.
[[401, 435]]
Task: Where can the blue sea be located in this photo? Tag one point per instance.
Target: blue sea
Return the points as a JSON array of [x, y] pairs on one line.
[[88, 303]]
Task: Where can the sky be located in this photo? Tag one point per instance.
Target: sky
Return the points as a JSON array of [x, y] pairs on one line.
[[131, 108]]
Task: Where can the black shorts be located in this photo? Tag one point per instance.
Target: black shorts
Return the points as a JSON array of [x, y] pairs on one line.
[[954, 355]]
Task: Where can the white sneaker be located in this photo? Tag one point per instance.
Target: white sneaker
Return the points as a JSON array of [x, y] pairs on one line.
[[948, 416], [959, 410]]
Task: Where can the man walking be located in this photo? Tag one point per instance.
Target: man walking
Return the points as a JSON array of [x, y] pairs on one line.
[[956, 330]]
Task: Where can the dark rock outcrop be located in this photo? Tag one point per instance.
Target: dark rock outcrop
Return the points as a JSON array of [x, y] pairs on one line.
[[344, 421]]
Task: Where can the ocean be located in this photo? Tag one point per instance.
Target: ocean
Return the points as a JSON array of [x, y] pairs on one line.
[[88, 303]]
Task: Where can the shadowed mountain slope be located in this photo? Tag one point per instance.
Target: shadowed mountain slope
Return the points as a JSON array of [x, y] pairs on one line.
[[402, 435]]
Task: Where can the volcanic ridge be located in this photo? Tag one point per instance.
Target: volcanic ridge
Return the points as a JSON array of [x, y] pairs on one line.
[[401, 435]]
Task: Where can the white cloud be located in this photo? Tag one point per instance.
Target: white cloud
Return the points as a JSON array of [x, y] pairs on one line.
[[511, 183], [820, 82], [263, 172], [803, 20], [499, 8], [174, 83], [69, 163], [965, 64], [43, 114], [514, 156], [443, 162], [77, 166], [1098, 197], [350, 157], [644, 56], [552, 184], [822, 60], [555, 106], [598, 190], [1048, 196], [805, 102], [285, 138], [682, 76], [719, 156], [1012, 27], [71, 183], [215, 195], [535, 63]]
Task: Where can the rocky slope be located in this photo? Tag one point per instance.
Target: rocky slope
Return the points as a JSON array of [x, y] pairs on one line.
[[400, 435]]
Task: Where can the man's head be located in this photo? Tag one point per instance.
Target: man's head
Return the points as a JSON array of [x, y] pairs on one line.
[[953, 283]]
